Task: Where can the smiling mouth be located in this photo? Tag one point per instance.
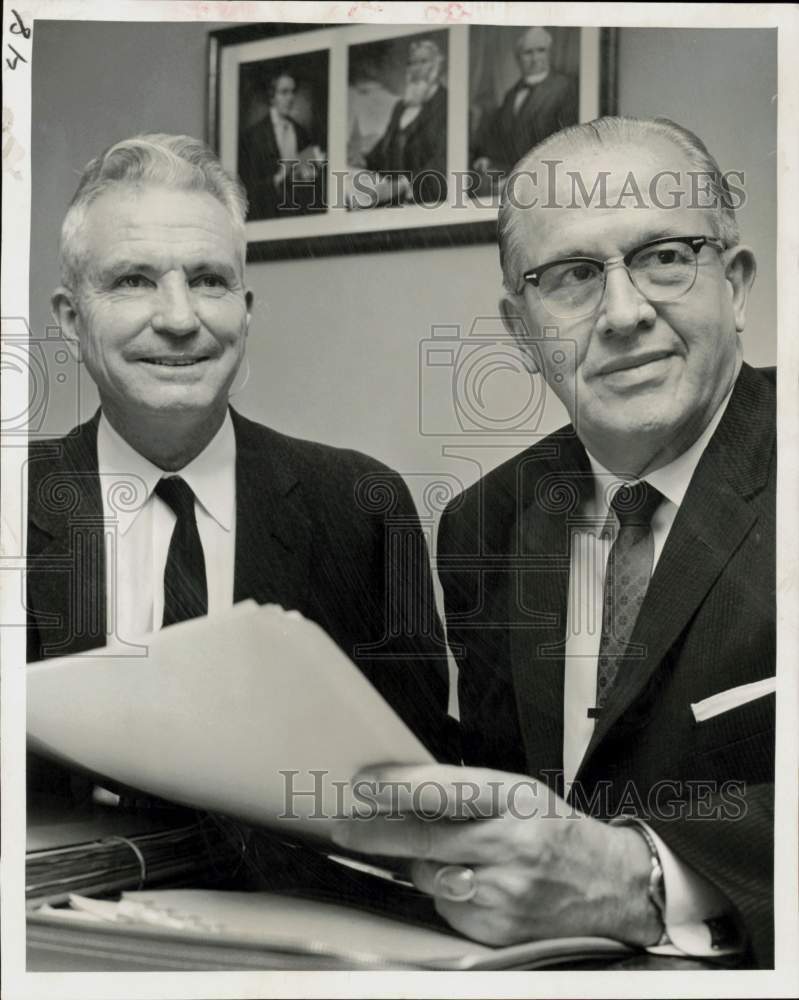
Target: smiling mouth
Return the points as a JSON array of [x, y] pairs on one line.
[[630, 364], [173, 362]]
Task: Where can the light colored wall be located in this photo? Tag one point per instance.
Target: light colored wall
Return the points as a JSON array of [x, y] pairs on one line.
[[335, 341], [721, 84]]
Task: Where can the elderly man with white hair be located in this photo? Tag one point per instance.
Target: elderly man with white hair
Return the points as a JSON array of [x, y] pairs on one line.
[[610, 590], [168, 504], [411, 155], [541, 102]]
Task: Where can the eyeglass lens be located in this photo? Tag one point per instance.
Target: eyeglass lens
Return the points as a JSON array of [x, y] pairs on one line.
[[661, 273]]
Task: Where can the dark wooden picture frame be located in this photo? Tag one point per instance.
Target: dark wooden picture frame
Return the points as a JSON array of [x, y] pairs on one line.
[[245, 62]]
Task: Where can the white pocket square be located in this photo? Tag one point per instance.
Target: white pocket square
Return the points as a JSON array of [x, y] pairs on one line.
[[732, 698]]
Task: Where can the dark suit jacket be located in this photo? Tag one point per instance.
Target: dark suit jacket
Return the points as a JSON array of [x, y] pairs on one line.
[[707, 624], [419, 152], [329, 532], [549, 106], [259, 160]]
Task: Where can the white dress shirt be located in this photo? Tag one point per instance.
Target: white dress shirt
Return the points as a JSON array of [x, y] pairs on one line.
[[412, 111], [690, 898], [139, 528], [285, 135]]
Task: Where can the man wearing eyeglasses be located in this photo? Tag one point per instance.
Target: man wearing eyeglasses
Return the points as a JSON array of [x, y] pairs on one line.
[[610, 591]]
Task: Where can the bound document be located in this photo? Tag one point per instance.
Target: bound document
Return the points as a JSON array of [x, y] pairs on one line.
[[185, 928]]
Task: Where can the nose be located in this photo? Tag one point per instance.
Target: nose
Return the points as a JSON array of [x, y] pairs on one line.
[[175, 313], [623, 309]]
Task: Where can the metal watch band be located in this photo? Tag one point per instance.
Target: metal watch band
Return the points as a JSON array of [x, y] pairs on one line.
[[655, 888]]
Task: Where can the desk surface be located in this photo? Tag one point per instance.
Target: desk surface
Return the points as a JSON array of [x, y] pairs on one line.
[[62, 947]]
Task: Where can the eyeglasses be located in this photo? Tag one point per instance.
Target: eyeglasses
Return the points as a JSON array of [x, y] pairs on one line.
[[662, 270]]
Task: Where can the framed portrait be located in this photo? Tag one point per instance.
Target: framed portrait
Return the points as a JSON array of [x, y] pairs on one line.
[[353, 138]]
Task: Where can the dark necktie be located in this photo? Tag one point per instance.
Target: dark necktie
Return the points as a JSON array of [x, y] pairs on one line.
[[626, 579], [520, 97], [185, 586]]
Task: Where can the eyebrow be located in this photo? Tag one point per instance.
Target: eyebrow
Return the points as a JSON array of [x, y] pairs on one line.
[[113, 268], [576, 250], [213, 265], [123, 264]]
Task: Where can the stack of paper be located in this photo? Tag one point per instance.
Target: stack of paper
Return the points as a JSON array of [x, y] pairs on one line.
[[288, 932], [257, 714]]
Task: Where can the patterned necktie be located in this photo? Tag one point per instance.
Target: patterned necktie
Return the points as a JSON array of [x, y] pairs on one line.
[[185, 586], [626, 580]]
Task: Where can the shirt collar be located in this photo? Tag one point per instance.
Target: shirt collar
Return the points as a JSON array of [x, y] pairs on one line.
[[534, 78], [132, 477], [278, 119], [671, 480], [127, 478], [212, 477]]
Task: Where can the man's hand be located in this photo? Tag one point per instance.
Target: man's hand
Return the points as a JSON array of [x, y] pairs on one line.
[[541, 869]]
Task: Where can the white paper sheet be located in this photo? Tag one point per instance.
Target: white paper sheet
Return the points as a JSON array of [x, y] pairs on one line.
[[218, 713]]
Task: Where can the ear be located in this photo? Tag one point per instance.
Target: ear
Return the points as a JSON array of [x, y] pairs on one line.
[[740, 271], [64, 307], [249, 298], [511, 308]]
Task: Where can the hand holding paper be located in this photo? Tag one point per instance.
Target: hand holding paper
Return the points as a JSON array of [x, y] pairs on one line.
[[526, 856]]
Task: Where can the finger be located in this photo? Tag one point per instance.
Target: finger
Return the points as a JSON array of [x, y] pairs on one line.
[[486, 924], [407, 836], [425, 876]]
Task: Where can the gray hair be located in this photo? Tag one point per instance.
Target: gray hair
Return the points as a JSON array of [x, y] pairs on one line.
[[429, 46], [537, 34], [615, 131], [179, 162]]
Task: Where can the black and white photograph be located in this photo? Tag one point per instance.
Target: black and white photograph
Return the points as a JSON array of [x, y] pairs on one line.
[[355, 137], [524, 84], [398, 577], [283, 134], [397, 120]]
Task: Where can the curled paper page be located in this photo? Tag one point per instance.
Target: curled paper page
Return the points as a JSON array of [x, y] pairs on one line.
[[257, 714]]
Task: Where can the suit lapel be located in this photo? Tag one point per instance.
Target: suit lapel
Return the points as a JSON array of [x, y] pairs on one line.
[[273, 529], [66, 577], [549, 494], [66, 565], [713, 520]]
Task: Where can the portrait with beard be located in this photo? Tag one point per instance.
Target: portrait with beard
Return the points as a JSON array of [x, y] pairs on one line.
[[397, 121]]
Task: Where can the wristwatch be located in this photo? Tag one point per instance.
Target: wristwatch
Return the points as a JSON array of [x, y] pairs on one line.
[[655, 888]]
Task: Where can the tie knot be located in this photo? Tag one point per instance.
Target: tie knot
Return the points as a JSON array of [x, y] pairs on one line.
[[636, 504], [177, 494]]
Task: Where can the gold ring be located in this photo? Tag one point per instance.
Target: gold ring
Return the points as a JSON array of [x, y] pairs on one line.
[[457, 883]]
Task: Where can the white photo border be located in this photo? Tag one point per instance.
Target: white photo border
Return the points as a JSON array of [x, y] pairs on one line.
[[338, 230]]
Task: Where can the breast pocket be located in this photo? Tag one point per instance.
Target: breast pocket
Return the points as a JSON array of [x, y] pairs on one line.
[[736, 744]]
